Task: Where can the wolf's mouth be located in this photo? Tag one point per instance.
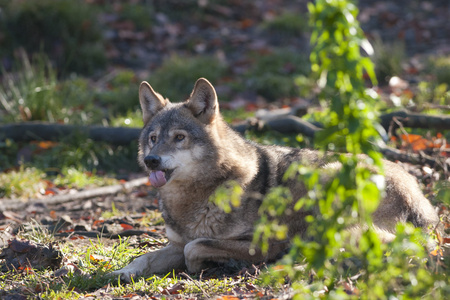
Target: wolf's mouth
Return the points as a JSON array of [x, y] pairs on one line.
[[159, 178]]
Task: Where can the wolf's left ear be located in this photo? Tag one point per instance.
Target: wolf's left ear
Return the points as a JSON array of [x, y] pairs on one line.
[[151, 101], [203, 101]]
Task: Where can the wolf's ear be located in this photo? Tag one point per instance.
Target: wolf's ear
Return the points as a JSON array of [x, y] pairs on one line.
[[203, 101], [151, 102]]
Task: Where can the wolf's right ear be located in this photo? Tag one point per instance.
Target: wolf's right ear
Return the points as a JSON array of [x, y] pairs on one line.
[[203, 101], [151, 101]]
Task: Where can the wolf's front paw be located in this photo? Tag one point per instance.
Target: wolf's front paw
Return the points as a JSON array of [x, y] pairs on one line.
[[138, 267], [125, 275]]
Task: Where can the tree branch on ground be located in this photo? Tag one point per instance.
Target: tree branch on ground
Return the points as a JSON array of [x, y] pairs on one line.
[[35, 131], [415, 120], [284, 121], [81, 195]]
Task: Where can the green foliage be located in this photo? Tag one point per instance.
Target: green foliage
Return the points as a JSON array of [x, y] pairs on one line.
[[33, 93], [23, 183], [348, 193], [35, 232], [174, 78], [273, 75], [74, 161], [131, 119], [227, 196], [388, 58], [74, 178], [84, 154], [97, 259], [66, 29], [275, 204], [288, 24], [440, 67], [443, 191], [431, 93]]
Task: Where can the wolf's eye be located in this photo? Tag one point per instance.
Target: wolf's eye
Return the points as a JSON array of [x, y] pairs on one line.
[[179, 137], [153, 138]]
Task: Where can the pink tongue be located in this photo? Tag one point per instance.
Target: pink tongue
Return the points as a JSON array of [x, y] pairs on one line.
[[157, 178]]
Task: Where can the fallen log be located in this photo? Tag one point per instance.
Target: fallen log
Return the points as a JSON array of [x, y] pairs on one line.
[[36, 131], [415, 120], [11, 204], [292, 124], [283, 121], [415, 158]]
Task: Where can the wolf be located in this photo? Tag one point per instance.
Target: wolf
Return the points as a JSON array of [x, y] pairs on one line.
[[189, 151]]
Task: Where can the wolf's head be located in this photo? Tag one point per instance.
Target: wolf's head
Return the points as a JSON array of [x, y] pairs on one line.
[[178, 139]]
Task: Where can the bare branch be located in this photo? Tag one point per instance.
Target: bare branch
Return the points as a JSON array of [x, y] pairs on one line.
[[81, 195]]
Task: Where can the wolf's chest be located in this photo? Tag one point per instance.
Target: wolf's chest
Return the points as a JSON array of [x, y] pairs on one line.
[[205, 222], [208, 222]]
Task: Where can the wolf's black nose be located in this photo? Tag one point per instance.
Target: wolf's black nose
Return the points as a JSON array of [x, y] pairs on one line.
[[152, 161]]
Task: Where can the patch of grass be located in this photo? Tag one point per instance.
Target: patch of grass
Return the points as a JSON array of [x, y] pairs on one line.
[[388, 58], [83, 154], [74, 178], [130, 119], [35, 232], [65, 29], [152, 218], [113, 213], [89, 265], [432, 93], [23, 183], [33, 93], [75, 161], [30, 93], [176, 77], [273, 75], [440, 67], [289, 24], [92, 264]]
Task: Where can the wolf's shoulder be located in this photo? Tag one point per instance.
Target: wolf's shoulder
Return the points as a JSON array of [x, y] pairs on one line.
[[289, 155]]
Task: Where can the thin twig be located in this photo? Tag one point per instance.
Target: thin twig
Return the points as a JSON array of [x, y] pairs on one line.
[[196, 284]]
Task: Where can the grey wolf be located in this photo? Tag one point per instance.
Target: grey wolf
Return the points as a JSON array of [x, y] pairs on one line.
[[189, 151]]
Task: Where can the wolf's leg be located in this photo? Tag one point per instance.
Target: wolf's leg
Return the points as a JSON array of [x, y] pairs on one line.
[[203, 250], [160, 262]]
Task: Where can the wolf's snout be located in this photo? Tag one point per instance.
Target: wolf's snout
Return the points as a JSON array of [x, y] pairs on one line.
[[152, 161]]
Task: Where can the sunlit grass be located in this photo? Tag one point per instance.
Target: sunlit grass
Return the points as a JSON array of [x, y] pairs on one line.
[[440, 67], [23, 183], [72, 177], [132, 119]]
